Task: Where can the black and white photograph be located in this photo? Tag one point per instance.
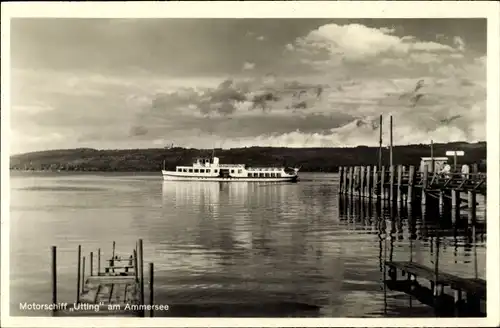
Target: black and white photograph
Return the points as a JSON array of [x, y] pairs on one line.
[[301, 168]]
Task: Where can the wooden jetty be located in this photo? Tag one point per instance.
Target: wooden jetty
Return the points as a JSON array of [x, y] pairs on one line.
[[117, 290], [467, 292], [404, 184]]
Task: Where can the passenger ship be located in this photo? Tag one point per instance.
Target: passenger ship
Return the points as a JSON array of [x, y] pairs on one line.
[[209, 169]]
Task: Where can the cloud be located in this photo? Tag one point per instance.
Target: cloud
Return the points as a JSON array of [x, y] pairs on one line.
[[355, 73], [347, 47], [247, 66], [261, 38]]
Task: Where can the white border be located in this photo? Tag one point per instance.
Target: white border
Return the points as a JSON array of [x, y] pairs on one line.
[[312, 9]]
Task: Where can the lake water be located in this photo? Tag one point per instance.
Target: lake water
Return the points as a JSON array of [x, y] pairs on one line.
[[229, 243]]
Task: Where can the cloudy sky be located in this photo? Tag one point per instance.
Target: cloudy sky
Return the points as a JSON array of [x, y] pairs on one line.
[[140, 83]]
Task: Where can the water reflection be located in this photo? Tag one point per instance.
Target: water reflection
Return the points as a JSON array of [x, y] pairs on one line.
[[236, 242]]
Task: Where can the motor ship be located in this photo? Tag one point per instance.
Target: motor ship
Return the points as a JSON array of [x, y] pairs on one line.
[[209, 169]]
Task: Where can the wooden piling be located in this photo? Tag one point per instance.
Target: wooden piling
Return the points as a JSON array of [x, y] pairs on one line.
[[382, 183], [399, 184], [356, 181], [425, 177], [411, 182], [54, 277], [341, 179], [391, 183], [99, 262], [151, 288], [349, 184], [362, 181], [344, 183], [471, 203], [78, 274], [375, 184], [91, 264], [113, 253], [141, 272], [368, 191], [83, 273]]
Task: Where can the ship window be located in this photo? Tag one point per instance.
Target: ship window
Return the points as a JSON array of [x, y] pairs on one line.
[[216, 170], [208, 170], [202, 170], [273, 175], [178, 170], [232, 171], [239, 171], [190, 170], [195, 170], [267, 175], [184, 170], [278, 175], [261, 175]]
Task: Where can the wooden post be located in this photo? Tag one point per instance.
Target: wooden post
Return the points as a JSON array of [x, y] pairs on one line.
[[441, 201], [83, 273], [351, 172], [391, 183], [355, 184], [54, 278], [99, 262], [375, 182], [141, 271], [455, 205], [471, 203], [344, 183], [341, 178], [136, 267], [425, 177], [113, 253], [411, 181], [382, 183], [362, 182], [91, 264], [368, 189], [78, 274], [399, 187], [151, 288]]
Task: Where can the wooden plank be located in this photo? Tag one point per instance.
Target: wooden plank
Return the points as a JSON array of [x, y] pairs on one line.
[[475, 286]]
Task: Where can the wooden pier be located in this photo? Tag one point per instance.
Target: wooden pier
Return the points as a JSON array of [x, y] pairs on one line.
[[467, 292], [404, 184], [117, 290]]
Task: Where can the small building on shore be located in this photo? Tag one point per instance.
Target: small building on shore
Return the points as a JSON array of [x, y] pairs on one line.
[[439, 163]]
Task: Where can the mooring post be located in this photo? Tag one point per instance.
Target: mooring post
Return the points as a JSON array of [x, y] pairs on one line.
[[471, 203], [91, 264], [141, 270], [83, 273], [425, 176], [78, 274], [351, 172], [98, 262], [411, 180], [399, 187], [344, 183], [54, 278], [391, 183], [136, 268], [362, 182], [368, 190], [341, 178], [355, 181], [455, 205], [382, 183], [376, 183], [151, 288]]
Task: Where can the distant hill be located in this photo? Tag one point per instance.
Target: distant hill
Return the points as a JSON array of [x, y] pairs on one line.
[[311, 159]]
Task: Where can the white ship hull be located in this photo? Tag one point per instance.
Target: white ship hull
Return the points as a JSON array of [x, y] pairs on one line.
[[174, 176]]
